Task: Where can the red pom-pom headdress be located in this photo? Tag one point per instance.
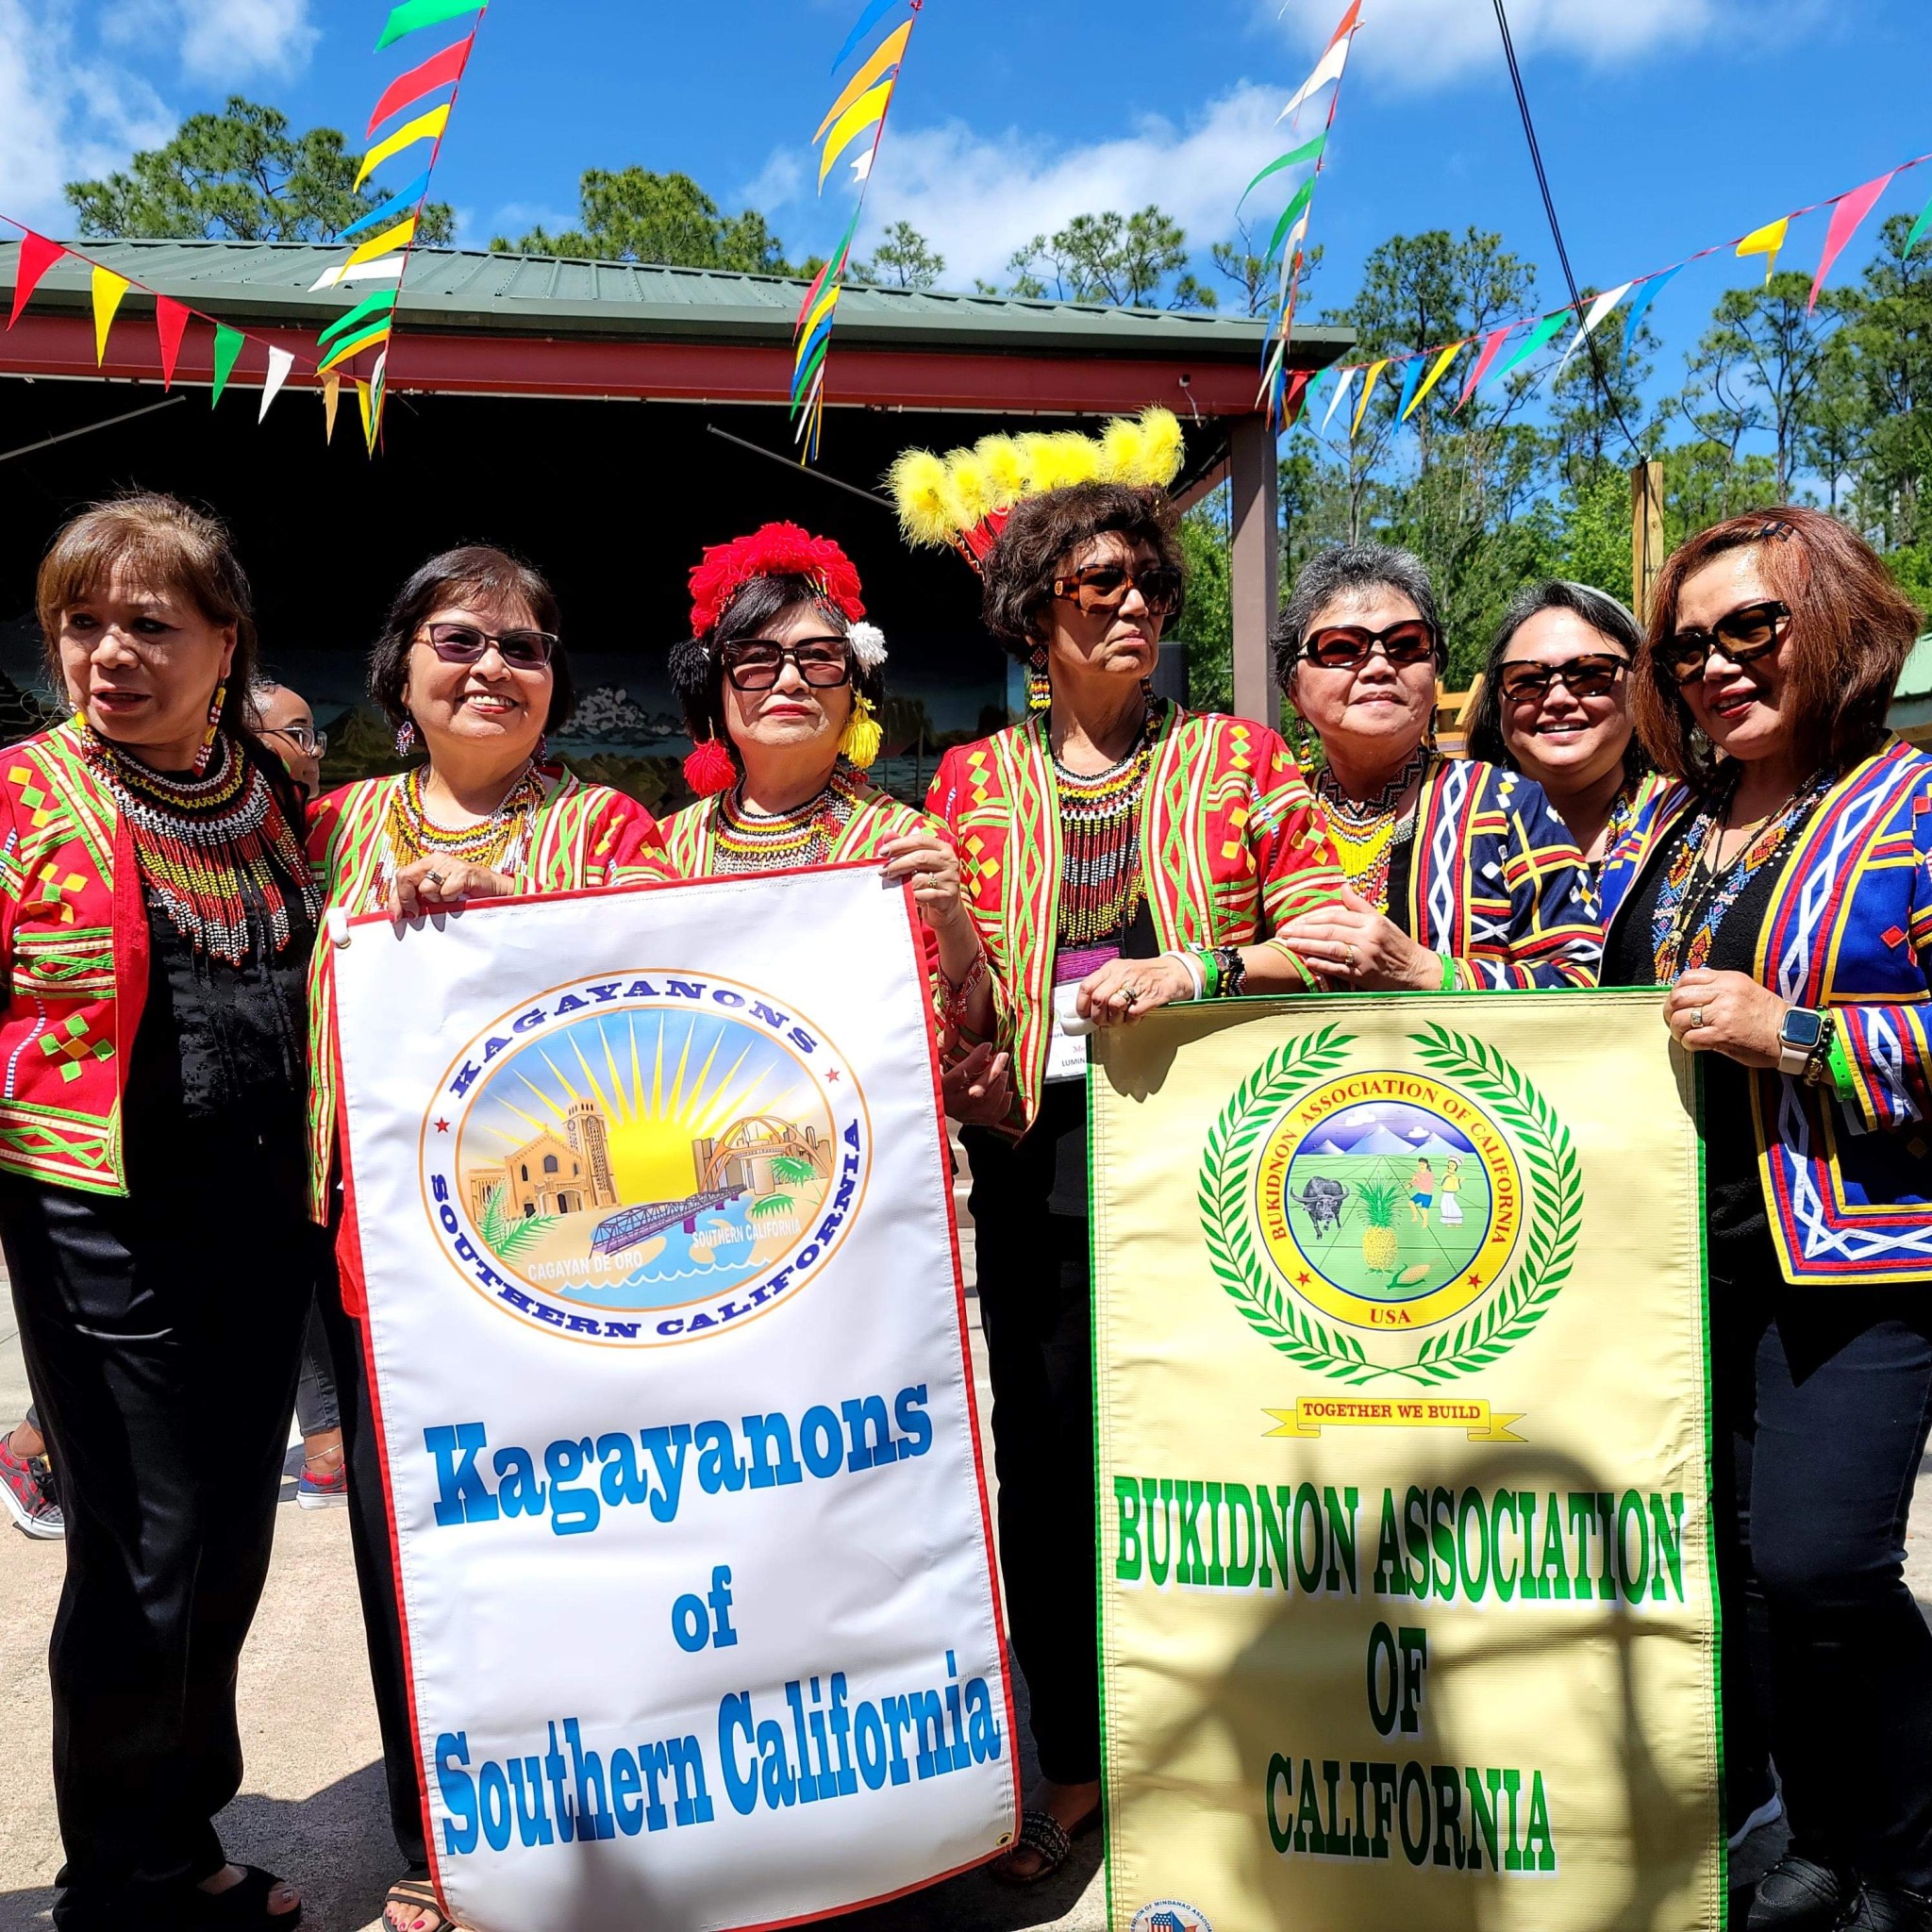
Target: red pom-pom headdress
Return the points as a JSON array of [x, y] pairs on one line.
[[778, 550]]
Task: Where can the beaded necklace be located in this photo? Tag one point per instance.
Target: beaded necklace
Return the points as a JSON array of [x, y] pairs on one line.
[[213, 848], [1367, 831], [499, 842], [1694, 898], [746, 842], [1100, 840]]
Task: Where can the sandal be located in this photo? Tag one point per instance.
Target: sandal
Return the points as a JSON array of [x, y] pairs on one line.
[[1043, 1835], [422, 1912], [243, 1908]]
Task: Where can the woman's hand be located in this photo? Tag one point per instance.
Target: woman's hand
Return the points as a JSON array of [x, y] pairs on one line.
[[1355, 949], [441, 885], [977, 1091], [1728, 1013], [933, 867], [1125, 989]]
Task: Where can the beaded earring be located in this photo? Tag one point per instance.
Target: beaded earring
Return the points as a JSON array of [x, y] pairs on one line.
[[406, 738], [858, 744], [207, 748], [1038, 686], [541, 754]]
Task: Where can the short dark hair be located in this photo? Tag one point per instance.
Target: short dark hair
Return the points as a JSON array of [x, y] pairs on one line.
[[697, 665], [1020, 566], [1851, 631], [474, 574], [1597, 609], [1342, 570]]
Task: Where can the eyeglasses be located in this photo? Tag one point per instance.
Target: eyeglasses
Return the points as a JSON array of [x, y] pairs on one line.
[[1753, 631], [304, 736], [1105, 586], [463, 643], [758, 663], [1587, 676], [1348, 646]]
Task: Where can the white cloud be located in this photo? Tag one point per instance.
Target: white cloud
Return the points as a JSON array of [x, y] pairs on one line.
[[978, 198], [218, 40]]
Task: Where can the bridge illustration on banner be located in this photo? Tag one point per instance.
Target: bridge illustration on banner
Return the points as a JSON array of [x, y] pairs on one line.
[[631, 1225]]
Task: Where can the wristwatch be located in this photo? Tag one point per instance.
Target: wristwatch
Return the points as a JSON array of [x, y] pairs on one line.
[[1800, 1034]]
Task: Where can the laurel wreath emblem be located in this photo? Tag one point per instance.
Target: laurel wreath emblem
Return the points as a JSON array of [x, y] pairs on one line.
[[1555, 1204]]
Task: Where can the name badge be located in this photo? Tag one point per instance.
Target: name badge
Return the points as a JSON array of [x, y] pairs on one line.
[[1066, 1048]]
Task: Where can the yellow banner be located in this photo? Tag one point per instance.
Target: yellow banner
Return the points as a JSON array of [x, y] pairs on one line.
[[1373, 1655]]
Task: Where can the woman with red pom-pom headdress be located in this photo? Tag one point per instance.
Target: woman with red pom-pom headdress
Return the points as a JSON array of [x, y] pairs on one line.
[[780, 682]]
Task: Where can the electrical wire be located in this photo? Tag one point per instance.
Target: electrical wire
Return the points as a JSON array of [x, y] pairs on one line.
[[1542, 182]]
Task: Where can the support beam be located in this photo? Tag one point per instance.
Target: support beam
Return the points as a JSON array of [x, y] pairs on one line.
[[1647, 535], [1255, 566]]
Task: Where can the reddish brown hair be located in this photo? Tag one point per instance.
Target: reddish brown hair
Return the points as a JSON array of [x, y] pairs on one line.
[[169, 546], [1851, 629]]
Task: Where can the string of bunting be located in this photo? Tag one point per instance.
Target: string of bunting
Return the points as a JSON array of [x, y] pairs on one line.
[[384, 237], [859, 109], [1423, 369], [1281, 391], [106, 287]]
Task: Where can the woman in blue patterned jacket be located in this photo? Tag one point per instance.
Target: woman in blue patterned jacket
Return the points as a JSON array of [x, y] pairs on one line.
[[1459, 874], [1783, 892]]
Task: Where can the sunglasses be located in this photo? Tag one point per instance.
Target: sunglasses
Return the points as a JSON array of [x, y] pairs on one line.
[[1348, 646], [758, 663], [1753, 631], [1105, 586], [463, 643], [1587, 676]]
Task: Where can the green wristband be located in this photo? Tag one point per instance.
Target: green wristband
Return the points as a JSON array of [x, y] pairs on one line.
[[1211, 970], [1450, 982], [1840, 1064]]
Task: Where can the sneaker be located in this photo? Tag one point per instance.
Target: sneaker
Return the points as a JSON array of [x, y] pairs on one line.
[[329, 1490], [1889, 1908], [1798, 1894], [26, 1488], [1767, 1812]]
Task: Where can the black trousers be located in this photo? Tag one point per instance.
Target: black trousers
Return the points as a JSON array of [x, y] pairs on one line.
[[376, 1580], [1822, 1400], [162, 1331], [1036, 1306]]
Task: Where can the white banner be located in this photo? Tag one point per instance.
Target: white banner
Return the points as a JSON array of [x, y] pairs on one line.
[[670, 1357]]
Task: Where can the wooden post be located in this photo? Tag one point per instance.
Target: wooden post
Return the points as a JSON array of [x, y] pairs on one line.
[[1647, 535], [1254, 566]]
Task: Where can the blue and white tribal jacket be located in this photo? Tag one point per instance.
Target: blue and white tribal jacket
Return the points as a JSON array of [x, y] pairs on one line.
[[1847, 1181]]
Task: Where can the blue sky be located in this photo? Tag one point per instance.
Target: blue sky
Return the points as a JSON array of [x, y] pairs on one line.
[[1666, 123]]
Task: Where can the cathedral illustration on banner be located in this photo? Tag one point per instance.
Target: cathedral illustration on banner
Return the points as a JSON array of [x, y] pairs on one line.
[[552, 1174]]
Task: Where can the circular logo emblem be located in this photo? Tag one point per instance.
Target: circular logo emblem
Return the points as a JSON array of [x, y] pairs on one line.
[[1354, 1211], [1168, 1915], [1388, 1200], [643, 1161]]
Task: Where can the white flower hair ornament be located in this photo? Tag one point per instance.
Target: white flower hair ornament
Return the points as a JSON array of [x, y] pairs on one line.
[[868, 644]]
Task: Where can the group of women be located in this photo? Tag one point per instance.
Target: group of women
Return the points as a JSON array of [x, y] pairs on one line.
[[1711, 806]]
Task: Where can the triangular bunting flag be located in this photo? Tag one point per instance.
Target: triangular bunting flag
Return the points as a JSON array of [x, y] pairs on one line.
[[1852, 209], [37, 255], [1492, 344], [1326, 69], [368, 420], [1434, 376], [279, 364], [406, 90], [398, 204], [171, 325], [1344, 385], [1413, 375], [228, 343], [108, 287], [887, 54], [1648, 292], [1362, 408], [331, 395], [1766, 241], [1600, 307], [428, 126], [1535, 340], [1296, 390], [413, 15], [1919, 227]]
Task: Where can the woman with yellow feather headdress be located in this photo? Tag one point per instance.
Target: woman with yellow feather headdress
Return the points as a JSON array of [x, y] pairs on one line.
[[1120, 854]]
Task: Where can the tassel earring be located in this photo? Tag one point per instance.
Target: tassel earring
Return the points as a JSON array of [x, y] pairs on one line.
[[1038, 686], [858, 744], [541, 754], [207, 749], [709, 769], [406, 738]]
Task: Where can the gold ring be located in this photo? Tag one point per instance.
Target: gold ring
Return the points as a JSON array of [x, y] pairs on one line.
[[1351, 962], [1696, 1019], [1132, 991], [434, 876]]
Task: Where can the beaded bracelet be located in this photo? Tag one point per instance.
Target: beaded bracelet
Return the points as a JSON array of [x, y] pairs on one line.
[[956, 999]]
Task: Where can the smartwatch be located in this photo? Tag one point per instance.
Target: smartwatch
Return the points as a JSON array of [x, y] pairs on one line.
[[1799, 1035]]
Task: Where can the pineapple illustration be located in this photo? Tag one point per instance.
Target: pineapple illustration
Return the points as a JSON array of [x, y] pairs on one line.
[[1379, 1199]]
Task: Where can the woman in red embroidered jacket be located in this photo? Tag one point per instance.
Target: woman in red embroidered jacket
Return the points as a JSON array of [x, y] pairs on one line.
[[155, 922], [1120, 854], [1783, 892]]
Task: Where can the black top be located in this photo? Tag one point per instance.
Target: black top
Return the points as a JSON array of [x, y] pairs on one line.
[[220, 1049], [1737, 1227], [1401, 864]]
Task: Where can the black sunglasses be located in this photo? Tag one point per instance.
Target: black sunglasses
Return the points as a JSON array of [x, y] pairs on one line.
[[1105, 586], [1752, 630], [463, 643], [758, 663], [1349, 646], [1587, 676]]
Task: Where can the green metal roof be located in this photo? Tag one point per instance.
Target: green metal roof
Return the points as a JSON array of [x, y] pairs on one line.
[[269, 282]]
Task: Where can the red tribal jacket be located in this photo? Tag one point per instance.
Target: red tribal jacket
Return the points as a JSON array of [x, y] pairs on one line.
[[73, 949], [1232, 847]]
